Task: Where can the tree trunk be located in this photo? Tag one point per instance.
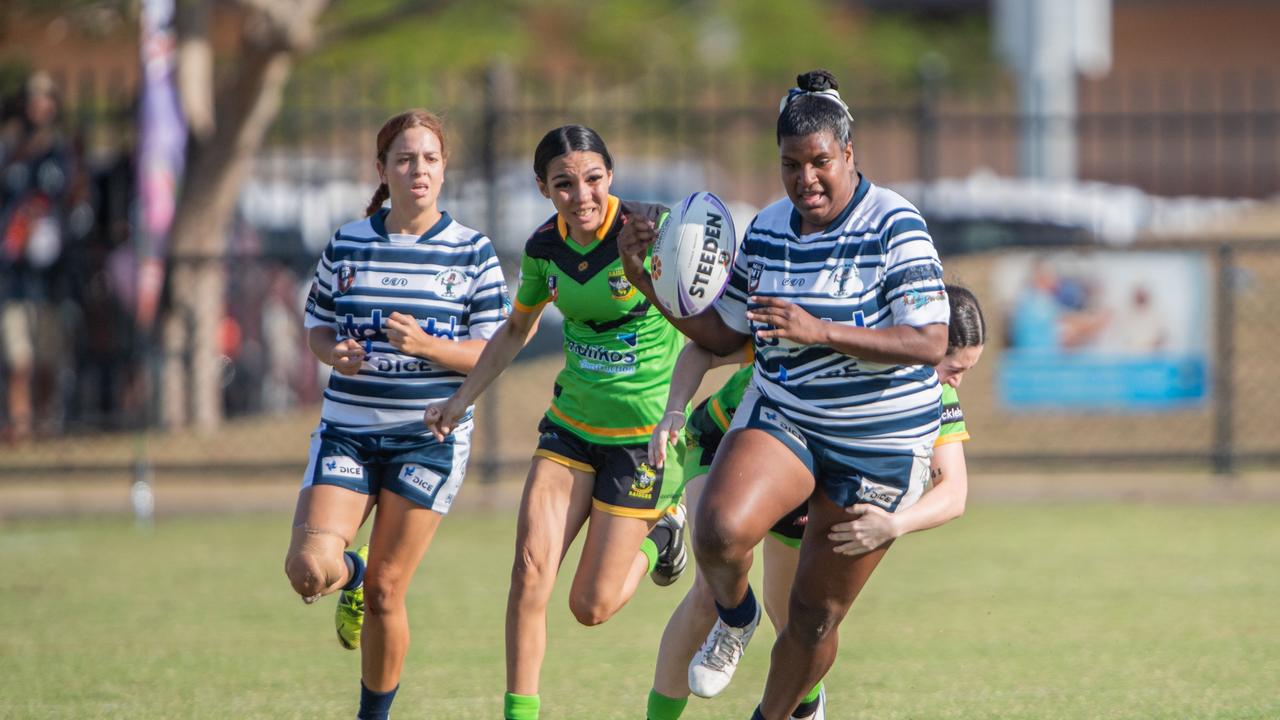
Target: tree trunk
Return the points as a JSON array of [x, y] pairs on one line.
[[215, 171]]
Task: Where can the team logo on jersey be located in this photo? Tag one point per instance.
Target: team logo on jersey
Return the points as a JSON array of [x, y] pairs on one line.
[[345, 276], [447, 282], [553, 292], [842, 281], [754, 271], [656, 271], [619, 286], [915, 299], [642, 483], [583, 266]]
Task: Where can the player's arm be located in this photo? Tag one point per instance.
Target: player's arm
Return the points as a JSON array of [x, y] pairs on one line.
[[691, 366], [494, 357], [406, 335], [873, 527], [706, 328], [345, 357], [895, 344]]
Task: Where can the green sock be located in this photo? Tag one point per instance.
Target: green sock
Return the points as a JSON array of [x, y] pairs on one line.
[[520, 707], [650, 550], [813, 694], [662, 707]]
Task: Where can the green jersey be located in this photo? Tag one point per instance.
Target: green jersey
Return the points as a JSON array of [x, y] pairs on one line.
[[953, 428], [619, 350], [712, 418]]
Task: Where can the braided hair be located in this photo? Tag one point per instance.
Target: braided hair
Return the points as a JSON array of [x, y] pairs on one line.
[[968, 328]]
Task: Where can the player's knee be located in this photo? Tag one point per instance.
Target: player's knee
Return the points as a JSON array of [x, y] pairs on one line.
[[591, 608], [530, 573], [383, 593], [812, 623], [307, 573], [716, 542]]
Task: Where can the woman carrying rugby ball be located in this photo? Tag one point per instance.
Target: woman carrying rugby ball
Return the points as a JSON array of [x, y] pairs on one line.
[[591, 461], [696, 442], [839, 288]]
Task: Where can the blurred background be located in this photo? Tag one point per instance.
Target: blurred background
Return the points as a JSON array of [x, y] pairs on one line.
[[1105, 174]]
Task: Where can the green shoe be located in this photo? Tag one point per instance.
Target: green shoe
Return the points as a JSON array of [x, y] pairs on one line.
[[349, 616]]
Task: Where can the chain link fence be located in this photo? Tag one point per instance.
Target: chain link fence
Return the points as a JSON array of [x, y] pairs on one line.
[[99, 381]]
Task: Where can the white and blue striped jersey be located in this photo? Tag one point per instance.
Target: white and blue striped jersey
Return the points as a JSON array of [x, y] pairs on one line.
[[874, 266], [448, 279]]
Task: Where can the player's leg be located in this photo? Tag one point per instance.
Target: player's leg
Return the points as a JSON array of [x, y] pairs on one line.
[[632, 530], [610, 568], [781, 557], [555, 504], [688, 625], [418, 477], [402, 532], [755, 480], [334, 501], [826, 584]]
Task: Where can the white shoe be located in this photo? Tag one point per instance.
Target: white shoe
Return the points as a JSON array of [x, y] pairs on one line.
[[821, 712], [713, 667]]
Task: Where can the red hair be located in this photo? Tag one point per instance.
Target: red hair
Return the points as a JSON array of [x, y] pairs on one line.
[[391, 129]]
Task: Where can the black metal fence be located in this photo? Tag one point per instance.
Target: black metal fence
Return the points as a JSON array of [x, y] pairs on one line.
[[97, 387]]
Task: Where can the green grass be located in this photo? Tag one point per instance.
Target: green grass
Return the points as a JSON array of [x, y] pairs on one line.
[[1028, 611]]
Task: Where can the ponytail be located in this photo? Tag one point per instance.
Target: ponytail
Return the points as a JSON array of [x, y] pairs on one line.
[[379, 196]]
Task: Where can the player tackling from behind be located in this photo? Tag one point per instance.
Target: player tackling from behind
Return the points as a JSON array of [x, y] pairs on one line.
[[839, 288], [402, 304], [591, 463]]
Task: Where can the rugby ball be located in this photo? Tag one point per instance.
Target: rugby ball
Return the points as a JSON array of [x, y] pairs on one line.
[[693, 256]]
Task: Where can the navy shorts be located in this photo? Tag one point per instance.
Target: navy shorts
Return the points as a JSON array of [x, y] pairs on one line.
[[416, 467]]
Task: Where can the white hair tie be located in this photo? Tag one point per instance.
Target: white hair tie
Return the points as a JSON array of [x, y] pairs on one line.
[[833, 95]]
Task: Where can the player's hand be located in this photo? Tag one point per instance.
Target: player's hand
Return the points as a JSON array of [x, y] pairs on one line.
[[870, 528], [347, 356], [442, 417], [786, 320], [667, 433], [634, 241], [406, 335]]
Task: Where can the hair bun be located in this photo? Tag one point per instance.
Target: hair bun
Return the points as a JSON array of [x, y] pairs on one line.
[[816, 80]]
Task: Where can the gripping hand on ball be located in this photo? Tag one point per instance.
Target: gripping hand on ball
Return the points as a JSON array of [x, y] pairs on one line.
[[634, 241]]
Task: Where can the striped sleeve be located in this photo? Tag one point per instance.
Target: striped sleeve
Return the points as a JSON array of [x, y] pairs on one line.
[[913, 284], [732, 305], [320, 308], [489, 304]]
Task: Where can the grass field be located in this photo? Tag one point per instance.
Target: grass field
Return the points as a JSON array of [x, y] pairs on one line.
[[1016, 611]]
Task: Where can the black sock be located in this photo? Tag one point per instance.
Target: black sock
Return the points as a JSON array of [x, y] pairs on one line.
[[375, 705], [757, 715], [805, 709], [742, 615], [357, 571], [661, 536]]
